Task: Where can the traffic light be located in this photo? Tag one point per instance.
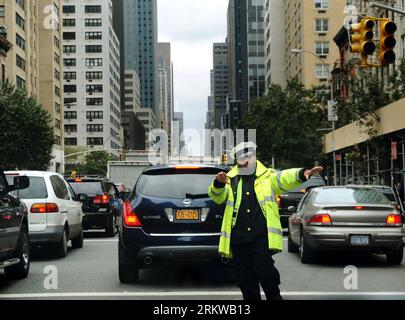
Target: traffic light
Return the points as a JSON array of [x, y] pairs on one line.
[[387, 42], [362, 39], [121, 157], [224, 159]]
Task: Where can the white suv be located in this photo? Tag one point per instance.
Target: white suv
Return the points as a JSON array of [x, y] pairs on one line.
[[54, 211]]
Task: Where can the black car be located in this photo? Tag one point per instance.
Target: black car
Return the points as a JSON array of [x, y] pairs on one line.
[[102, 207], [14, 243], [169, 215], [293, 198]]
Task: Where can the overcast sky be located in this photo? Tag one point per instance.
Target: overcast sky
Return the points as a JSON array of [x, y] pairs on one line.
[[192, 27]]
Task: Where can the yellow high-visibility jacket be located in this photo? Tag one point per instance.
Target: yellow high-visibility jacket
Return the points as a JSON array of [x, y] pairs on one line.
[[268, 185]]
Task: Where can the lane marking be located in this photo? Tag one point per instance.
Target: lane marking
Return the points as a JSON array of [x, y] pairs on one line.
[[186, 294]]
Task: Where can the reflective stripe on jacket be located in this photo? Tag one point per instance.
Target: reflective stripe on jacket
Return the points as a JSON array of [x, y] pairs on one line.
[[268, 185]]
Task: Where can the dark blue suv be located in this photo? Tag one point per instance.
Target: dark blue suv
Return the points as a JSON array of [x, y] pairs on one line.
[[169, 216]]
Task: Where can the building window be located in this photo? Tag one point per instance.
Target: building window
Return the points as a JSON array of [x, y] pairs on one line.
[[20, 82], [69, 62], [20, 41], [96, 88], [94, 36], [2, 12], [95, 141], [94, 101], [21, 3], [69, 49], [69, 22], [93, 22], [70, 89], [70, 115], [56, 74], [20, 21], [70, 101], [322, 71], [321, 25], [92, 9], [94, 115], [97, 75], [56, 42], [94, 62], [69, 75], [321, 4], [56, 58], [322, 48], [57, 108], [94, 128], [57, 91], [71, 141], [57, 124], [69, 36], [94, 49], [70, 128], [20, 62], [69, 9]]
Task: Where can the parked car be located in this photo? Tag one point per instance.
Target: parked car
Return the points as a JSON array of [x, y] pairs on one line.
[[169, 216], [346, 218], [294, 197], [102, 206], [55, 213], [15, 254]]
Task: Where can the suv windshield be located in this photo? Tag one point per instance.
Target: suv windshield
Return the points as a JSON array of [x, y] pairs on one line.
[[89, 188], [176, 186], [351, 196], [36, 190]]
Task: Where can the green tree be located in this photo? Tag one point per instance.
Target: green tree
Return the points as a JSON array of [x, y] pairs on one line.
[[26, 134], [95, 164], [286, 122]]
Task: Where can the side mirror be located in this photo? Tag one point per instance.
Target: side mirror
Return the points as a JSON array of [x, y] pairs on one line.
[[292, 209], [20, 183]]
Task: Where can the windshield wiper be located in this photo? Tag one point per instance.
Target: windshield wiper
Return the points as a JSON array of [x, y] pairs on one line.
[[197, 196]]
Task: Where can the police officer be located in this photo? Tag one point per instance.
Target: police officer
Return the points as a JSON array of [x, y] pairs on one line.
[[251, 230]]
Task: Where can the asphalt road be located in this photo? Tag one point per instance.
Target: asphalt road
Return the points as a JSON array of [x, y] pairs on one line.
[[92, 273]]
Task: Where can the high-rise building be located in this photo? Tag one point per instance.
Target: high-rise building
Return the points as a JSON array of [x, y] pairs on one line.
[[140, 37], [35, 61], [246, 50], [166, 94], [91, 76], [275, 42], [178, 143], [21, 20], [309, 29], [220, 82]]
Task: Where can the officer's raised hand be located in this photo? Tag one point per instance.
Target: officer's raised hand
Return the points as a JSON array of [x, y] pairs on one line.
[[314, 171]]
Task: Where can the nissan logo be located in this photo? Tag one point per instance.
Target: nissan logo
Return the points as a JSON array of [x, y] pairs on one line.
[[187, 202]]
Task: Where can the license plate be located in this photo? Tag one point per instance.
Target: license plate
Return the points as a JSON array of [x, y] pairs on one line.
[[187, 215], [360, 240]]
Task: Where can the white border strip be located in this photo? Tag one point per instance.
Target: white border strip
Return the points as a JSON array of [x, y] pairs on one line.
[[186, 294]]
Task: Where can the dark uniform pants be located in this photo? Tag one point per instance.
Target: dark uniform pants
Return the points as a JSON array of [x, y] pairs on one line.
[[254, 265]]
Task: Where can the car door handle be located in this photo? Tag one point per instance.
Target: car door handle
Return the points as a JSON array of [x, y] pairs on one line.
[[64, 211]]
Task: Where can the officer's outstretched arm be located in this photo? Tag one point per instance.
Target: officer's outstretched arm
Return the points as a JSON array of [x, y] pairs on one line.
[[287, 180]]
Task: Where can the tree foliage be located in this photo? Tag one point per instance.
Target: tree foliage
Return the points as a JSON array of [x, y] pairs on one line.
[[95, 163], [287, 123], [26, 135]]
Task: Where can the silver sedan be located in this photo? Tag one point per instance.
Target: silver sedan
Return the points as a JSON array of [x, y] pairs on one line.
[[346, 218]]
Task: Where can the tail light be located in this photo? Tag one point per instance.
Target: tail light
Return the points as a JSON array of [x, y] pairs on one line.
[[279, 201], [394, 220], [104, 199], [130, 218], [322, 219], [44, 208]]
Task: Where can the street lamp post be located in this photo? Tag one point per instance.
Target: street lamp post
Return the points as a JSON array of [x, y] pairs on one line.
[[296, 51]]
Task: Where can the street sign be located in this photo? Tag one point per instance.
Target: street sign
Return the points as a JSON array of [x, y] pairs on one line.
[[338, 157], [394, 150], [332, 111]]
